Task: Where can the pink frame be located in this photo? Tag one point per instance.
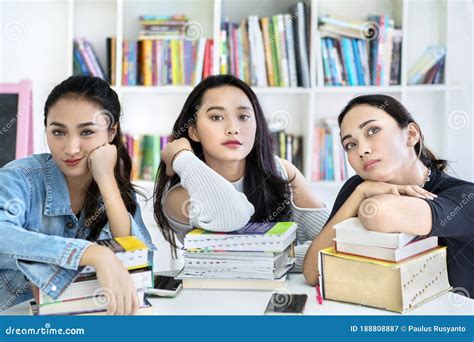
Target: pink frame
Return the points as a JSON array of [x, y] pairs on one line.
[[24, 133]]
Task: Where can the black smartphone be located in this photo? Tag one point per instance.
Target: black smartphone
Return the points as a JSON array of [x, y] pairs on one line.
[[165, 286], [286, 303]]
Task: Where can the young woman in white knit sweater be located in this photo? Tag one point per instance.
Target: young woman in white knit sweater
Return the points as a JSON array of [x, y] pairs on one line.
[[219, 172]]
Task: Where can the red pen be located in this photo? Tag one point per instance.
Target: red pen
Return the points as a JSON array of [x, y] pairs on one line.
[[319, 298]]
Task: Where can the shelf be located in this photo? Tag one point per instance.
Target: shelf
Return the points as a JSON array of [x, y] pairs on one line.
[[357, 89], [154, 90], [281, 90]]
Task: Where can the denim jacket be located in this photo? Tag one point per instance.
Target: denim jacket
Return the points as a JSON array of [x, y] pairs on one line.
[[41, 239]]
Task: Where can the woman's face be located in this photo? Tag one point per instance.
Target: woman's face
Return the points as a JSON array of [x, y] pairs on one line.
[[377, 148], [74, 128], [225, 124]]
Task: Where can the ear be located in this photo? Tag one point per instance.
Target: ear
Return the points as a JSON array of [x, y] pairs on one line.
[[112, 133], [413, 134], [193, 133]]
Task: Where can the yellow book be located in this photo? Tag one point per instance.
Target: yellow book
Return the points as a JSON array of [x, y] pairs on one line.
[[147, 62], [174, 45]]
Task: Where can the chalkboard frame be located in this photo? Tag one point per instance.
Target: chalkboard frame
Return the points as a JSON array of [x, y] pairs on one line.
[[24, 134]]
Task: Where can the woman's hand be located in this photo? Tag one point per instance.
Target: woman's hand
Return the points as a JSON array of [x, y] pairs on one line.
[[171, 150], [370, 189], [102, 162], [115, 281]]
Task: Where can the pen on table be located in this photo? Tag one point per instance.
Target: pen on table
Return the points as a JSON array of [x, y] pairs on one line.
[[319, 298]]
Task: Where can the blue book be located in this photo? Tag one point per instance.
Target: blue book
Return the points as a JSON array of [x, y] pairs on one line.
[[325, 54], [80, 62], [332, 62], [349, 58], [357, 62]]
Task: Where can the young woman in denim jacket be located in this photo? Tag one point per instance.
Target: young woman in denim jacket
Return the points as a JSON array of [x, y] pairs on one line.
[[53, 206]]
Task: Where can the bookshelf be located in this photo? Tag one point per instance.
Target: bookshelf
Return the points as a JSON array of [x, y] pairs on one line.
[[438, 108]]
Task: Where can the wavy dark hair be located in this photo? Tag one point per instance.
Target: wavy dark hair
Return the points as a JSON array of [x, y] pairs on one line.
[[98, 91], [260, 168], [403, 117]]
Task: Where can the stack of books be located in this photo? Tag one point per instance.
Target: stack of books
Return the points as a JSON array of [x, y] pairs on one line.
[[391, 271], [429, 69], [145, 151], [257, 256], [270, 51], [329, 159], [85, 295], [359, 53], [162, 26], [86, 61]]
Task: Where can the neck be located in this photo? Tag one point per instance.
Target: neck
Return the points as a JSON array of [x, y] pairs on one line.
[[413, 174], [230, 170], [77, 187]]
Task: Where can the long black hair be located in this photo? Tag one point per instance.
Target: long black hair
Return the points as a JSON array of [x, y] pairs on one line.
[[265, 189], [403, 117], [98, 91]]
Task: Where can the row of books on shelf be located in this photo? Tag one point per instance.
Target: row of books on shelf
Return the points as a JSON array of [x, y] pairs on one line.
[[329, 158], [429, 69], [85, 296], [145, 152], [268, 51], [359, 53], [86, 61], [289, 146]]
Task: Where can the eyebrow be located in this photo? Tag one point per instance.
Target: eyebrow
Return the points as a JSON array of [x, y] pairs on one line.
[[361, 126], [84, 124], [222, 108]]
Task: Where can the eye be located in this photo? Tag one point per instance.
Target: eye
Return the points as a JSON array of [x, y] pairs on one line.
[[372, 130], [87, 132], [216, 117], [349, 146], [57, 133], [244, 117]]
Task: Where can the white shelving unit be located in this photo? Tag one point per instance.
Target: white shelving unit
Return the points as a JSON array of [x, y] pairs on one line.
[[443, 111]]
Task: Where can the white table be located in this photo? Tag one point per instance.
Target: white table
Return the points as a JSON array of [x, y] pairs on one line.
[[212, 302]]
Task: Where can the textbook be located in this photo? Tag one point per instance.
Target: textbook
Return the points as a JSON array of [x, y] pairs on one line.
[[413, 248], [233, 284], [88, 285], [254, 236], [223, 265], [132, 252], [145, 309], [390, 286], [351, 230]]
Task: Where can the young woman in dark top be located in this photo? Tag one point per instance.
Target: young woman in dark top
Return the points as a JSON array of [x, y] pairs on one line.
[[400, 186]]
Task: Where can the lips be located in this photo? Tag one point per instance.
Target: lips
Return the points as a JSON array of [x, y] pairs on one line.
[[232, 143], [73, 162], [369, 164]]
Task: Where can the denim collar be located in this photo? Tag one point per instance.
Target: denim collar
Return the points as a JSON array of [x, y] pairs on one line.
[[57, 200]]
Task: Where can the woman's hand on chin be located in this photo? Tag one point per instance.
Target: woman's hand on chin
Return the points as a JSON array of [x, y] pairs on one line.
[[102, 162]]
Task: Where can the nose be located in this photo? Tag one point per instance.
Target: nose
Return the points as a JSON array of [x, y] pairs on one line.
[[232, 129], [364, 149], [73, 146]]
